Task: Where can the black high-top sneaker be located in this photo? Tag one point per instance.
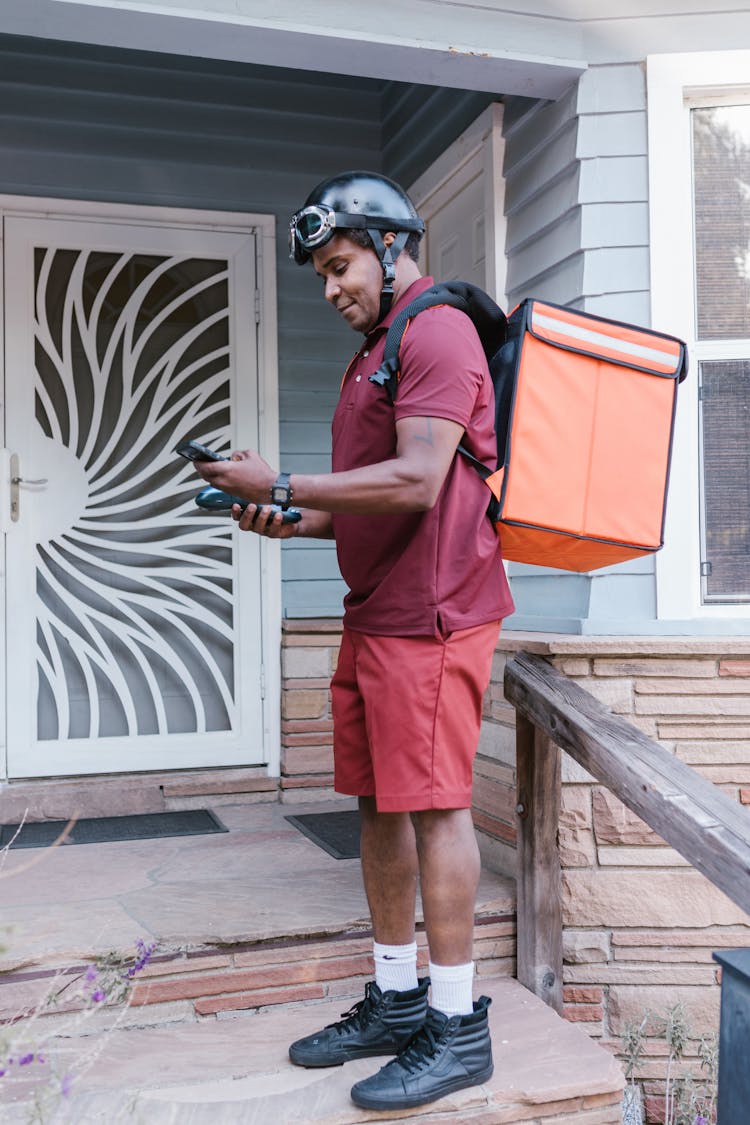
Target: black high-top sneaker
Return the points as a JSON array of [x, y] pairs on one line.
[[446, 1054], [378, 1025]]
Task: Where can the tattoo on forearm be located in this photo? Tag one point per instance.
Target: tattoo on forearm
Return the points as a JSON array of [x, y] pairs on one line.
[[426, 437]]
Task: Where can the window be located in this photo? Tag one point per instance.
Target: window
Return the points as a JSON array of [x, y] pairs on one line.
[[699, 200], [721, 224]]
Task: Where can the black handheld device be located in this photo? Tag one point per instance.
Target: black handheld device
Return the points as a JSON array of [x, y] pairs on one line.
[[214, 500], [194, 451]]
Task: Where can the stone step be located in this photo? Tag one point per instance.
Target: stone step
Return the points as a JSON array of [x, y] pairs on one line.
[[185, 984], [234, 1070], [60, 798]]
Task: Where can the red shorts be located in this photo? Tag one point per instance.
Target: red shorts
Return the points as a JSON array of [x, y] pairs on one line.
[[406, 716]]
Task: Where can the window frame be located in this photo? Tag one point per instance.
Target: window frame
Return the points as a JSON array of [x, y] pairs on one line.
[[677, 84]]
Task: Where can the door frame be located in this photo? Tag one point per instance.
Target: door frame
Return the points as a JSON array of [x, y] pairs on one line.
[[263, 227], [481, 147]]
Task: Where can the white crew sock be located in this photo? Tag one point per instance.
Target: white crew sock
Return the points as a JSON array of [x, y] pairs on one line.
[[395, 966], [452, 988]]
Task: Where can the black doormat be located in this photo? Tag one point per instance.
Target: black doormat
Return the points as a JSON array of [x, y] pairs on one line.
[[335, 832], [113, 829]]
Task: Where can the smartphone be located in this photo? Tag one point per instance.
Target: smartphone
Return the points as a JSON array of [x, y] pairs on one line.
[[214, 500], [194, 451]]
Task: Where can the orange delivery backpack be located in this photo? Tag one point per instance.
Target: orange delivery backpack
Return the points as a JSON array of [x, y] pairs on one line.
[[584, 414]]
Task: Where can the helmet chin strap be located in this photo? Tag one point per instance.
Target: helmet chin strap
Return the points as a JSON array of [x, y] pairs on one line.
[[388, 256]]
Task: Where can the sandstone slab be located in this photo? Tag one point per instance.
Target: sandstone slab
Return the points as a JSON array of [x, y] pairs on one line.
[[613, 898], [584, 946], [577, 847], [614, 823], [627, 1004]]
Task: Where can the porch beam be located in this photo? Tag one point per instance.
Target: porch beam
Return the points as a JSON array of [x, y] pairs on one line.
[[497, 52]]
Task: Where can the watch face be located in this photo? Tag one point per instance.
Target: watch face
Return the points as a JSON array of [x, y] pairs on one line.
[[281, 492]]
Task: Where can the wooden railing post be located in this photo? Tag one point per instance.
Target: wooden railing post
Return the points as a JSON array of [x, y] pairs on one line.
[[539, 906]]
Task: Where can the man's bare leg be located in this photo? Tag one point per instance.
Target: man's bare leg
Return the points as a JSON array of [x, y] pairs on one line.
[[389, 871], [449, 877], [439, 846]]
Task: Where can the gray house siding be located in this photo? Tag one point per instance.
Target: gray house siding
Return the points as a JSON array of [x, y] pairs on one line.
[[577, 212], [129, 126], [576, 191], [420, 121]]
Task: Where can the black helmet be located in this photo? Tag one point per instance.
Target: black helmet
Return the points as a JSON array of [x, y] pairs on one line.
[[356, 201]]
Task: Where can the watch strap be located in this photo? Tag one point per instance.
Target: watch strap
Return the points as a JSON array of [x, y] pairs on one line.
[[281, 490]]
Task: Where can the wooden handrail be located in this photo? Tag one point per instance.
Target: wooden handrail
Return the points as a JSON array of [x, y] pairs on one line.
[[688, 812]]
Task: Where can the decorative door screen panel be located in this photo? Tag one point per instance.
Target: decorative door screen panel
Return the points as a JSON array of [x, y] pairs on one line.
[[135, 588]]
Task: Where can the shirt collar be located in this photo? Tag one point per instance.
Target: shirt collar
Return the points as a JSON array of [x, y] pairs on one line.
[[414, 290]]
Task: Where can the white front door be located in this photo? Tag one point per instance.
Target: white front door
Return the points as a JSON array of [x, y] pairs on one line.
[[129, 612]]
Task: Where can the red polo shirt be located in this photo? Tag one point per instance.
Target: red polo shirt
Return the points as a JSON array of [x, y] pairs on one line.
[[415, 574]]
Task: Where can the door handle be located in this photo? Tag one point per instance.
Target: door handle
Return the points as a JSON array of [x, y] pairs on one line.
[[15, 492]]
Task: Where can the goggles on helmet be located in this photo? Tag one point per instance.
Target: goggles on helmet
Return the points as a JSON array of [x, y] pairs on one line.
[[315, 225], [311, 227]]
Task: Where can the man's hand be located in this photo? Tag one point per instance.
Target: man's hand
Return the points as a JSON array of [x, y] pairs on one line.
[[245, 474], [263, 521], [260, 519]]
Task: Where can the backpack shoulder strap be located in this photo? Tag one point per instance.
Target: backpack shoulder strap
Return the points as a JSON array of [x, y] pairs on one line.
[[487, 317]]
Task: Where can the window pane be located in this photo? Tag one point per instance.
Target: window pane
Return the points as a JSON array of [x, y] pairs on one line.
[[725, 426], [721, 166]]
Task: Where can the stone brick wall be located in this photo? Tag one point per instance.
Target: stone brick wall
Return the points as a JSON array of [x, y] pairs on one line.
[[309, 651]]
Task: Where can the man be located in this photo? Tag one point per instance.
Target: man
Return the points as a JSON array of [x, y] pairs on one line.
[[427, 595]]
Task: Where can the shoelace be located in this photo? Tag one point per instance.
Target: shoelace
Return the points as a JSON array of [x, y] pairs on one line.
[[419, 1050], [356, 1016]]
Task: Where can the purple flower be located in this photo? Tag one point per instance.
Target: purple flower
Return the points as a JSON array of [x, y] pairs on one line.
[[98, 995], [143, 957], [700, 1120], [65, 1085], [91, 973], [26, 1059], [2, 1073]]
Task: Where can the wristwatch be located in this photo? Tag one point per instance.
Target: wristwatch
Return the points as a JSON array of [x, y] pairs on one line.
[[281, 491]]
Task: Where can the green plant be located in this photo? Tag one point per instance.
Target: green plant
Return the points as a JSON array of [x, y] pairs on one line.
[[688, 1099], [633, 1040], [676, 1034]]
